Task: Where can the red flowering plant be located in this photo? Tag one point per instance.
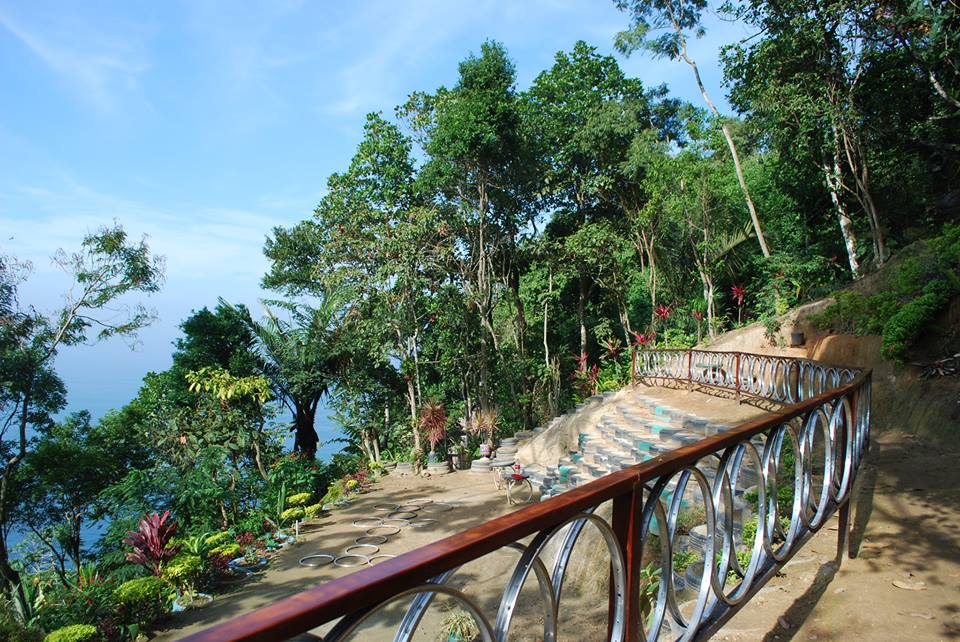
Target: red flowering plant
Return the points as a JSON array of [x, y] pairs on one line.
[[151, 542], [640, 340], [739, 295], [582, 362], [663, 312]]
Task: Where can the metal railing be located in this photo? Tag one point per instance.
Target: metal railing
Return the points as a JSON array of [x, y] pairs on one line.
[[785, 380], [824, 431]]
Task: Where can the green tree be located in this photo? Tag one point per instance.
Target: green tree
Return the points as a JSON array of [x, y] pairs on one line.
[[107, 267], [67, 467], [300, 358], [586, 112], [473, 135], [662, 27]]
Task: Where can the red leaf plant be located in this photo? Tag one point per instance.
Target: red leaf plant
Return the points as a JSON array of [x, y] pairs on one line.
[[582, 362], [739, 293], [663, 312], [698, 315], [433, 420], [151, 543], [640, 340]]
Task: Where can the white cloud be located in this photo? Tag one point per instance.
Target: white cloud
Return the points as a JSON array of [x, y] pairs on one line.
[[201, 244], [99, 65]]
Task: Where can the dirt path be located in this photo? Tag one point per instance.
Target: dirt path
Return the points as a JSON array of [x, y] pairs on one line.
[[907, 530], [472, 496]]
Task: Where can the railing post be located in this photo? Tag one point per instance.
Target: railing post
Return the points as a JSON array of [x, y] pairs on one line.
[[845, 543], [737, 376], [625, 523], [633, 365], [689, 370]]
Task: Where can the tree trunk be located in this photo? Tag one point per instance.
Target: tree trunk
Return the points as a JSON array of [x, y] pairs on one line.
[[414, 420], [582, 317], [730, 144], [546, 312], [833, 178], [857, 162], [258, 460], [10, 576], [376, 445], [708, 295], [624, 319], [367, 446], [306, 438]]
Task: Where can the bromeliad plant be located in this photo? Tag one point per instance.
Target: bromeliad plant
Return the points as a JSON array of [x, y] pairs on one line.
[[151, 543]]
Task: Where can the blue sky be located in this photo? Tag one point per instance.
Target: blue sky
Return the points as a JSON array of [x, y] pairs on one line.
[[204, 124]]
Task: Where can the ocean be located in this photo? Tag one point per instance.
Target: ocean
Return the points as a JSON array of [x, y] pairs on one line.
[[327, 429]]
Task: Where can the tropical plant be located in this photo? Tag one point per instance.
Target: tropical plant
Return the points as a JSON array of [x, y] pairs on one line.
[[482, 423], [218, 538], [142, 600], [433, 421], [28, 599], [683, 559], [300, 499], [74, 633], [151, 543], [184, 571]]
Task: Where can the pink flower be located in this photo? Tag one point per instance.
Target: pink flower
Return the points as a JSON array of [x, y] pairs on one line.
[[663, 312]]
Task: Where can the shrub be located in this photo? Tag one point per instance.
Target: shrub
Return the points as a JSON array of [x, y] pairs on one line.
[[335, 492], [230, 551], [298, 474], [184, 571], [291, 514], [218, 538], [904, 327], [312, 510], [683, 559], [141, 600], [13, 630], [73, 633], [299, 499]]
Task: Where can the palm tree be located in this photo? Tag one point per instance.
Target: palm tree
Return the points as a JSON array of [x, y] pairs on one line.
[[299, 357]]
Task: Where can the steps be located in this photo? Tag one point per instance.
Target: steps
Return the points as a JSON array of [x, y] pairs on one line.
[[633, 430]]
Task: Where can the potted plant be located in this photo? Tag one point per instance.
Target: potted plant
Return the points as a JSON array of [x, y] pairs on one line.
[[460, 626], [252, 558], [183, 572], [433, 421], [483, 424]]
